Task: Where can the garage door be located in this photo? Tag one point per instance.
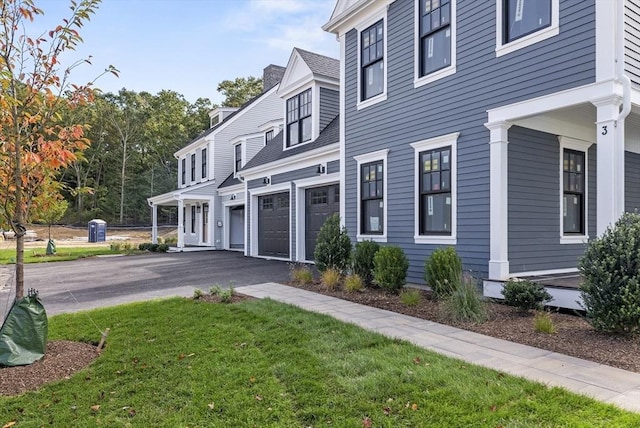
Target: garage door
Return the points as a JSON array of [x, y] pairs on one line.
[[273, 225], [321, 202]]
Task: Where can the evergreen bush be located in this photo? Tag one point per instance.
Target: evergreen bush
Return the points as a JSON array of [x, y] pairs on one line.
[[390, 268], [362, 260], [525, 295], [610, 269], [443, 271], [333, 246]]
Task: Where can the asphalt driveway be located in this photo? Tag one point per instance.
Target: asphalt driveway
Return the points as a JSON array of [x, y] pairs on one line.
[[105, 281]]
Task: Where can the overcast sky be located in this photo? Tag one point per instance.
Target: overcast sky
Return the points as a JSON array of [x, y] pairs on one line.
[[189, 46]]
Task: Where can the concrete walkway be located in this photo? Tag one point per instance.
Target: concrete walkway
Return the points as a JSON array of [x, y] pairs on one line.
[[604, 383]]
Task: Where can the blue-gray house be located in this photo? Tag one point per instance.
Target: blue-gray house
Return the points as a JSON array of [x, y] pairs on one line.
[[509, 129]]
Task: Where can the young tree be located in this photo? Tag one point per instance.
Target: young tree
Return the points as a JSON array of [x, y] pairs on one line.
[[35, 142]]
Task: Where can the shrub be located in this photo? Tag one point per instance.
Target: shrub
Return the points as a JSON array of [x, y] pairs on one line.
[[331, 278], [172, 240], [543, 323], [163, 248], [198, 294], [410, 297], [353, 283], [333, 246], [390, 268], [610, 269], [465, 303], [525, 294], [226, 295], [144, 246], [362, 260], [215, 290], [443, 271], [300, 274], [115, 246]]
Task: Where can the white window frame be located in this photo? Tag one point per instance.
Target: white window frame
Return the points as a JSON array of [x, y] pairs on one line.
[[431, 144], [380, 155], [530, 39], [442, 73], [204, 158], [379, 14], [242, 156], [580, 146]]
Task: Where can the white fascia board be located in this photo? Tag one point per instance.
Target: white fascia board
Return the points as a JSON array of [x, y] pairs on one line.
[[272, 124], [245, 137], [302, 160], [193, 147], [353, 15], [162, 199], [298, 86], [555, 101], [230, 190]]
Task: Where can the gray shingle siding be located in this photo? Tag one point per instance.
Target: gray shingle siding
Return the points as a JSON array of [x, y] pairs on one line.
[[534, 203], [457, 103], [329, 106], [632, 181]]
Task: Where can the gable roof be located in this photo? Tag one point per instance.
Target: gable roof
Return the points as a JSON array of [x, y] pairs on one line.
[[274, 151], [229, 181], [320, 64]]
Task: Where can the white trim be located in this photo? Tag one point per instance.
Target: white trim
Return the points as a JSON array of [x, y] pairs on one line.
[[606, 40], [444, 72], [543, 272], [498, 200], [301, 187], [371, 19], [431, 144], [226, 219], [292, 163], [367, 158], [243, 156], [343, 160], [580, 146], [315, 114], [530, 39]]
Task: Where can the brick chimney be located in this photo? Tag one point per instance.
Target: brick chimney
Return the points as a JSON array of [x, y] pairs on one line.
[[271, 76]]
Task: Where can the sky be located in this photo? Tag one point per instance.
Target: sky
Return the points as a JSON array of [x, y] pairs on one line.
[[189, 46]]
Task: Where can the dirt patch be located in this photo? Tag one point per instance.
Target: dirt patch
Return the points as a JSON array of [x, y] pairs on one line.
[[62, 359], [574, 335]]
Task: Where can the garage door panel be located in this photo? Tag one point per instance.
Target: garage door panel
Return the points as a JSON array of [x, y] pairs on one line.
[[320, 203], [273, 225]]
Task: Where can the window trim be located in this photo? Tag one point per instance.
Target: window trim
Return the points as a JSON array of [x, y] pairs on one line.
[[298, 121], [236, 168], [380, 155], [268, 136], [379, 15], [418, 80], [448, 140], [193, 219], [552, 30], [579, 146], [203, 163], [183, 173]]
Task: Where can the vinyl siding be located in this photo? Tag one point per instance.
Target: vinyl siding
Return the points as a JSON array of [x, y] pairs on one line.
[[632, 40], [632, 181], [329, 106], [534, 203], [457, 103], [333, 167]]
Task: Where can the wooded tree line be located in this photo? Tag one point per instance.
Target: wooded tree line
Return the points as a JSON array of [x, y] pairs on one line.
[[133, 137]]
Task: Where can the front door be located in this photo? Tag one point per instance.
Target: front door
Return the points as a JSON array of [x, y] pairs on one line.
[[205, 223]]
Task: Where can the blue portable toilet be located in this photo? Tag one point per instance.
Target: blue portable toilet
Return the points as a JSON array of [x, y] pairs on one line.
[[97, 230]]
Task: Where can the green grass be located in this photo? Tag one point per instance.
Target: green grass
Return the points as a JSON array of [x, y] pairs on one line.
[[179, 363], [38, 255]]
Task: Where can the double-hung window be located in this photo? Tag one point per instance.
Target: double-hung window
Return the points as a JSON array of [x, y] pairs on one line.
[[299, 118], [204, 163], [372, 60], [435, 35], [435, 192], [238, 157], [193, 219], [193, 167], [183, 172], [523, 17], [573, 192], [372, 198], [268, 136]]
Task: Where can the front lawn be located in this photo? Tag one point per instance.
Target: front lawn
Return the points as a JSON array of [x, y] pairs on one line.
[[38, 255], [180, 362]]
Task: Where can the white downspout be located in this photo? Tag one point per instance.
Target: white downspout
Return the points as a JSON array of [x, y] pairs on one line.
[[626, 104]]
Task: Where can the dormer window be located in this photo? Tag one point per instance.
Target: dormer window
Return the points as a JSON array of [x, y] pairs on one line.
[[268, 136], [215, 120], [238, 157], [299, 118]]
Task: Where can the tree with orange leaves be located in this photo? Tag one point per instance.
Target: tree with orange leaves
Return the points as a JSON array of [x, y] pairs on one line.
[[35, 141]]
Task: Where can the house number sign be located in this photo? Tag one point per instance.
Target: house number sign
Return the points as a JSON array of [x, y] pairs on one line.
[[604, 130]]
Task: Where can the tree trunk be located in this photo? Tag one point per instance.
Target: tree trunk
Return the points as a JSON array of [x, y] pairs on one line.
[[17, 223], [122, 179]]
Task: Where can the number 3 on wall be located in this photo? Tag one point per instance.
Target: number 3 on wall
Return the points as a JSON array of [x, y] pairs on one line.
[[604, 130]]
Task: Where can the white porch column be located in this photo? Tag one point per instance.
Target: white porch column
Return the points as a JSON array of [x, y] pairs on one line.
[[154, 227], [610, 161], [180, 223], [498, 201]]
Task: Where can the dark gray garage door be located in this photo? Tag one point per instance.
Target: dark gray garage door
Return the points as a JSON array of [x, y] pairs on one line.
[[321, 202], [273, 225]]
